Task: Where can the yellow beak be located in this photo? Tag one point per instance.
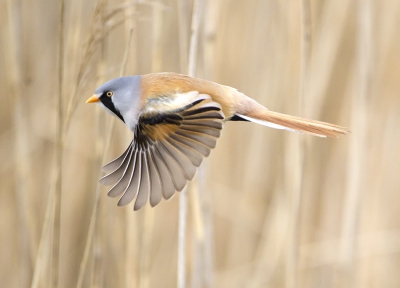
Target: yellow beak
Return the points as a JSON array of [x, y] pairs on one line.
[[93, 99]]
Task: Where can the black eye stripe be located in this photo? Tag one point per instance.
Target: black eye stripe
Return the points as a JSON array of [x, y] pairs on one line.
[[106, 100]]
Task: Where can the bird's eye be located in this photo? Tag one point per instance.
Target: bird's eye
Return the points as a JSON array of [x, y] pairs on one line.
[[109, 93]]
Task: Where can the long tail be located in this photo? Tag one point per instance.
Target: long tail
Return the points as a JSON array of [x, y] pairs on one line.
[[297, 124]]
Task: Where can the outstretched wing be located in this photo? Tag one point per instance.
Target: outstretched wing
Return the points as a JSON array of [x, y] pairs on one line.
[[171, 139]]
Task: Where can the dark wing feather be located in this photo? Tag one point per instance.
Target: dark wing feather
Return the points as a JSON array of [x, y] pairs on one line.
[[166, 150]]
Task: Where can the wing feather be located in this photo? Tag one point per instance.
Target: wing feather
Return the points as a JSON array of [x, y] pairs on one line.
[[144, 190], [173, 168], [202, 129], [199, 137], [113, 165], [155, 181], [168, 147], [206, 123], [166, 180], [194, 156], [117, 174], [183, 161], [121, 186], [200, 147], [133, 187]]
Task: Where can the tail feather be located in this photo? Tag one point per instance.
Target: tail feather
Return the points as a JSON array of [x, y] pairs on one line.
[[296, 124]]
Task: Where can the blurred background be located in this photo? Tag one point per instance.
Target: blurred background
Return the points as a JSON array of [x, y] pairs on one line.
[[268, 208]]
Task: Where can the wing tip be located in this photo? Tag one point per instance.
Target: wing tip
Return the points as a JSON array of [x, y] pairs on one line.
[[103, 181]]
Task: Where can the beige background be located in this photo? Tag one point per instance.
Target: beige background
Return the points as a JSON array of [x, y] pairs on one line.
[[270, 208]]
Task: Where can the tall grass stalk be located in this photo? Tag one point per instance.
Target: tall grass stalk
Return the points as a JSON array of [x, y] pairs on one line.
[[183, 35], [12, 33], [295, 153], [182, 235], [59, 152], [204, 267], [183, 57], [39, 273], [198, 6], [357, 147], [132, 272], [183, 203], [105, 154], [325, 50]]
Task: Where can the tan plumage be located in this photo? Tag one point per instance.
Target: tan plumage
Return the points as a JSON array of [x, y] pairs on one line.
[[177, 120], [233, 102]]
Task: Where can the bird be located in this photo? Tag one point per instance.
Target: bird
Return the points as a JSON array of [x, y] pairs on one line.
[[176, 121]]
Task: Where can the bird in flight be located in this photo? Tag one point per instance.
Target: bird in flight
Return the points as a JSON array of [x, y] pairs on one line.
[[176, 121]]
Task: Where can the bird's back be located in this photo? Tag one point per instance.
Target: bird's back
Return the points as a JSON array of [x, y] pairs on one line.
[[167, 83]]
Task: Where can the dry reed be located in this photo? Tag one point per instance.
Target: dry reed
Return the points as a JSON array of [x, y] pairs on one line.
[[270, 209]]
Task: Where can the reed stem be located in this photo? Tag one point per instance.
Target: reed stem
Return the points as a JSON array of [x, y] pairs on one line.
[[59, 152], [195, 28]]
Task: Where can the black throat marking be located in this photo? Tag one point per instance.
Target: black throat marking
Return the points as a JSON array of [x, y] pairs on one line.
[[110, 105]]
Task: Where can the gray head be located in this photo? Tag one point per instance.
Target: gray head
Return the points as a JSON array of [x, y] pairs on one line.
[[120, 97]]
